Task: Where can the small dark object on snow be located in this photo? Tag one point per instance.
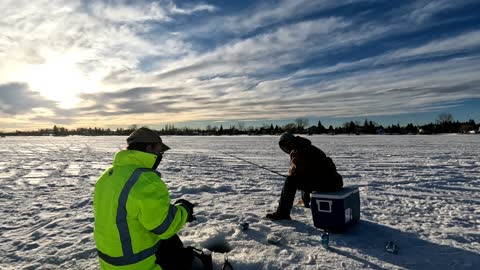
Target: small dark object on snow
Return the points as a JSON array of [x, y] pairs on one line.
[[244, 226], [274, 239], [325, 239], [391, 247]]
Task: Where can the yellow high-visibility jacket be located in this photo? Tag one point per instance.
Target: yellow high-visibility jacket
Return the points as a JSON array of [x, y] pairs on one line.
[[133, 213]]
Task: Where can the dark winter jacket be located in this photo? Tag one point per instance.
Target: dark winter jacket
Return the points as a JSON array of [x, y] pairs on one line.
[[313, 170]]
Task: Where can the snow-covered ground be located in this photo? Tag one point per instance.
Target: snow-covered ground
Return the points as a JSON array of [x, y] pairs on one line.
[[421, 192]]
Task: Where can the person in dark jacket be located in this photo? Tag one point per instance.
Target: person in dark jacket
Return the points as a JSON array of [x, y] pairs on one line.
[[310, 170]]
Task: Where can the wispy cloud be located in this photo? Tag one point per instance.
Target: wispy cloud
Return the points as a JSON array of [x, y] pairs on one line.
[[123, 13], [460, 43], [421, 11], [267, 52], [191, 9]]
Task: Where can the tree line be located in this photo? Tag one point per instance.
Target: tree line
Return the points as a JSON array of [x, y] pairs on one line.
[[444, 124]]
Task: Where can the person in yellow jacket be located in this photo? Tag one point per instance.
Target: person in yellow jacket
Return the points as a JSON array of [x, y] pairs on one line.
[[136, 225]]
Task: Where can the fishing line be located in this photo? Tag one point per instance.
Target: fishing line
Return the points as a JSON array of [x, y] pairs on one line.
[[249, 162]]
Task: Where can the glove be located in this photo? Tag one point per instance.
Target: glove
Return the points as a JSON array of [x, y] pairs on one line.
[[188, 206]]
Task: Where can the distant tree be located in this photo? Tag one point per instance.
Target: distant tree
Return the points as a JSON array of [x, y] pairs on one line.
[[290, 127], [394, 129], [55, 130], [350, 127], [320, 128], [444, 123], [369, 127], [331, 130], [241, 126], [271, 130], [444, 118], [132, 127], [277, 130], [411, 129], [301, 123]]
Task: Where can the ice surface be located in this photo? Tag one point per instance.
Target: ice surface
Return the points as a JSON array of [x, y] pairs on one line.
[[421, 192]]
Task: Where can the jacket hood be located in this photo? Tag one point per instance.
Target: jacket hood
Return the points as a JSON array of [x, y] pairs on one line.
[[134, 158], [301, 142]]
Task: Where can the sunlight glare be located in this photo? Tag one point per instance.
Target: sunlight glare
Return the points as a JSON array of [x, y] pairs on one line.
[[60, 80]]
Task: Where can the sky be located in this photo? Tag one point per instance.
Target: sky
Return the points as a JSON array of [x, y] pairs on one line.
[[192, 63]]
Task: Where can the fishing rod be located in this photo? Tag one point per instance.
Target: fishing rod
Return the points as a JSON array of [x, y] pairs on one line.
[[249, 162]]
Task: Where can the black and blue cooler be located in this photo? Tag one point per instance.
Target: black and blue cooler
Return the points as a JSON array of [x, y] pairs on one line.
[[335, 211]]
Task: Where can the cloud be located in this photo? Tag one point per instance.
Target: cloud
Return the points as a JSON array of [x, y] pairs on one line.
[[16, 98], [421, 11], [262, 15], [139, 100], [56, 120], [122, 12], [226, 85], [399, 89], [35, 32], [141, 11], [451, 45], [191, 9], [265, 53], [166, 60]]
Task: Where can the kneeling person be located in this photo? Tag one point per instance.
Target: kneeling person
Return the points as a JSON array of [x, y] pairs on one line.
[[136, 225]]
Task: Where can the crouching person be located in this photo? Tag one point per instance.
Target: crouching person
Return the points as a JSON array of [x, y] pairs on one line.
[[310, 170], [136, 225]]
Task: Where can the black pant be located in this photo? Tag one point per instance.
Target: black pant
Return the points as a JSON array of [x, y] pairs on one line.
[[171, 255], [288, 196], [306, 198], [292, 184]]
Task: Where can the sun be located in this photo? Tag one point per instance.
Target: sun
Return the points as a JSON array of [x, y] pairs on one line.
[[61, 80]]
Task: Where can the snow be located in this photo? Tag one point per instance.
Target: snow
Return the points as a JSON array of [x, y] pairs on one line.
[[421, 192]]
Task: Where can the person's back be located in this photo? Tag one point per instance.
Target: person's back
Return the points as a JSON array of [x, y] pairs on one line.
[[133, 214], [313, 167], [130, 200]]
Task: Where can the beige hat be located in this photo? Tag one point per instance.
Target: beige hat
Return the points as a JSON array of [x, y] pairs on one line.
[[146, 135]]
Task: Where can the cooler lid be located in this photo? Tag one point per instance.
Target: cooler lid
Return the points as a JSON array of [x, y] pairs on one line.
[[339, 194]]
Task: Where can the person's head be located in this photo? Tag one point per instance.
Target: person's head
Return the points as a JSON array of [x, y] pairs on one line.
[[286, 142], [147, 140]]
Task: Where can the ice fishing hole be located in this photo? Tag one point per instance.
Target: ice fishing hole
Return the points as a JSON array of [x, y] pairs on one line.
[[217, 244]]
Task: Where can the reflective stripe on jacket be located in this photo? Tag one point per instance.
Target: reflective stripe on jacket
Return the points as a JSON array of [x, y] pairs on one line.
[[133, 213]]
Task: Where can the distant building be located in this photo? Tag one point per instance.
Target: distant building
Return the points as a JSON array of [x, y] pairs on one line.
[[424, 132]]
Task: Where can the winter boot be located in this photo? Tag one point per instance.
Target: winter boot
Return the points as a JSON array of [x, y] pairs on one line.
[[276, 216]]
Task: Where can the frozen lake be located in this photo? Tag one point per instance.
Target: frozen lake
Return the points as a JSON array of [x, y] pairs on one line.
[[422, 192]]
